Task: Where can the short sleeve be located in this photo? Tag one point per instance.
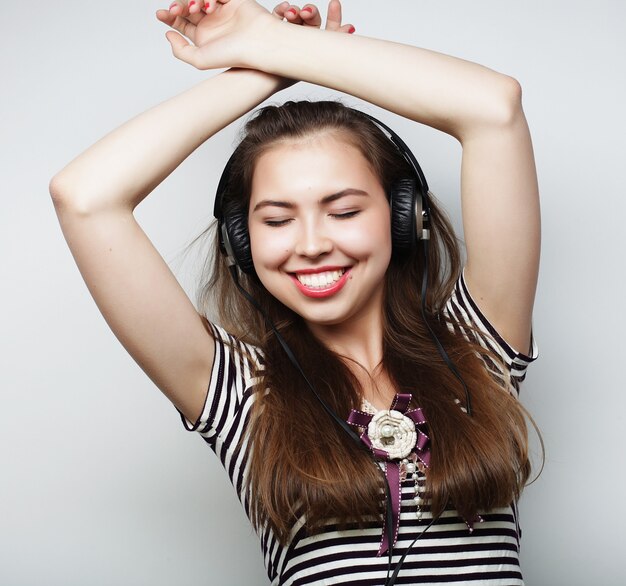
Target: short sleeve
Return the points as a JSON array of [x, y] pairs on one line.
[[236, 368], [464, 310]]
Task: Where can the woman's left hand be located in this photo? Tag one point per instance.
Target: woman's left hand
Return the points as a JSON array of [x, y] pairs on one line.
[[310, 16], [221, 31]]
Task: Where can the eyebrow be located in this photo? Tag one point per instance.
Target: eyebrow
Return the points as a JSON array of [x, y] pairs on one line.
[[326, 199]]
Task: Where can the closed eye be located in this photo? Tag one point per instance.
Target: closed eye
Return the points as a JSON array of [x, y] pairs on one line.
[[345, 215], [276, 223]]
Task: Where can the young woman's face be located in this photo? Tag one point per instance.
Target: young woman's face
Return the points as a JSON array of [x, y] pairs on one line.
[[319, 226]]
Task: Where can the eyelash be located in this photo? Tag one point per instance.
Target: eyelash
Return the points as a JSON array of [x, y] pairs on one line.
[[342, 216]]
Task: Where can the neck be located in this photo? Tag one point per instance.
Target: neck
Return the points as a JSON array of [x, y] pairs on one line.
[[359, 339]]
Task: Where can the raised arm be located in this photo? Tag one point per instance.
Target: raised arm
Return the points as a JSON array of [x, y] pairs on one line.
[[95, 195], [478, 106]]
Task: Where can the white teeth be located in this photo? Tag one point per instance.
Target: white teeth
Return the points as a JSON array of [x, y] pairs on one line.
[[320, 280]]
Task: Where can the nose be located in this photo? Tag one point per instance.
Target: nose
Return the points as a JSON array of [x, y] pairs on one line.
[[312, 240]]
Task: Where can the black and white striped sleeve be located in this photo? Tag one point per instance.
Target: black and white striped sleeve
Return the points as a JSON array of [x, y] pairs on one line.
[[235, 370], [464, 310]]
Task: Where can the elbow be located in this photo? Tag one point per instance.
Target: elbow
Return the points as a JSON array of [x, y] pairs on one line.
[[61, 192], [509, 104], [72, 195], [57, 189], [499, 107]]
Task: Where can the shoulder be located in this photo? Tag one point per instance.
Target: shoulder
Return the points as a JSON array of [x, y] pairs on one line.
[[234, 350], [467, 318], [237, 368]]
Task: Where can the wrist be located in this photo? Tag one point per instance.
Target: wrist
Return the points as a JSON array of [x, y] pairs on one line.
[[283, 49], [260, 50], [259, 82], [268, 82]]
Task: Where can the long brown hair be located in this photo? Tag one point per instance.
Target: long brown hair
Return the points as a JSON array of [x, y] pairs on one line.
[[301, 463]]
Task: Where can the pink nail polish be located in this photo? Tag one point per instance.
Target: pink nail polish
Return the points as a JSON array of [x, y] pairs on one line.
[[307, 9], [292, 10], [192, 3], [351, 29], [173, 5]]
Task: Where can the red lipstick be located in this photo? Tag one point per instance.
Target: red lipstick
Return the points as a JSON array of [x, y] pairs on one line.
[[321, 292]]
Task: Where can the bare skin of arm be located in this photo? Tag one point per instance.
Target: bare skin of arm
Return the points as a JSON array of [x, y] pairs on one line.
[[135, 290], [479, 107], [95, 196]]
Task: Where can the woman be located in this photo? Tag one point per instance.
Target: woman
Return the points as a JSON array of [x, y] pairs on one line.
[[329, 324]]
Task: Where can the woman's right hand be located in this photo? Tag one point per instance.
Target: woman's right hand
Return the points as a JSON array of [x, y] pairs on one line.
[[310, 16], [223, 31]]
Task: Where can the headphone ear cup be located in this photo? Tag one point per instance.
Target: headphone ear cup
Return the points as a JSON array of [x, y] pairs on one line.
[[403, 230], [236, 224]]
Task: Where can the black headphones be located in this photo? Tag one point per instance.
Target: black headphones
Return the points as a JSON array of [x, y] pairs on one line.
[[408, 198]]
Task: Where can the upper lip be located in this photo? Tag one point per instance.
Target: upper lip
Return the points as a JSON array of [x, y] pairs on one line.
[[315, 270]]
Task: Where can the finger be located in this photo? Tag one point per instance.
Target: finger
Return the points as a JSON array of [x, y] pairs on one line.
[[333, 16], [181, 48], [177, 8], [191, 9], [182, 25], [347, 28], [292, 14], [311, 16], [181, 9], [279, 10], [209, 6], [177, 42], [195, 10], [165, 16]]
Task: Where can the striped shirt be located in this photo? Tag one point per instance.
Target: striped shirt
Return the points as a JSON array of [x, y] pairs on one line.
[[446, 553]]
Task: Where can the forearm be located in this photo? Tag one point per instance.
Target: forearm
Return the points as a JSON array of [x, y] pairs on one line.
[[123, 167], [444, 92]]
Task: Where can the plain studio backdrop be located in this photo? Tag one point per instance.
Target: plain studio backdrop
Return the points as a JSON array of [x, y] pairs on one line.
[[99, 482]]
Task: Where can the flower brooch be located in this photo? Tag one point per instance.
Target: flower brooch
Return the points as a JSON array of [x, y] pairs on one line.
[[396, 436]]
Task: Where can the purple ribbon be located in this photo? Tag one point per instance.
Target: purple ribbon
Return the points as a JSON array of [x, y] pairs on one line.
[[392, 467]]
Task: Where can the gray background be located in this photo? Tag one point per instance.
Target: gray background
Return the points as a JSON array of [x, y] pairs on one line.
[[100, 484]]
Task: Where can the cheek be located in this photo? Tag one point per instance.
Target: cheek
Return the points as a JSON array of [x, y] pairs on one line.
[[368, 237], [269, 247]]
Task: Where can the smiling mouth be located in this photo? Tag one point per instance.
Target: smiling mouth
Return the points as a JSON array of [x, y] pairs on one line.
[[322, 284], [320, 280]]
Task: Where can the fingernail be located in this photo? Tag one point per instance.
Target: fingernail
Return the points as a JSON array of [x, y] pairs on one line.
[[173, 5], [192, 3], [307, 9], [351, 29], [292, 10]]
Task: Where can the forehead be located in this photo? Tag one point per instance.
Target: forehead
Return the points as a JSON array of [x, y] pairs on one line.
[[310, 166]]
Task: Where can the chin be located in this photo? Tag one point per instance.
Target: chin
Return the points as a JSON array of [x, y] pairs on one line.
[[324, 321], [319, 316]]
